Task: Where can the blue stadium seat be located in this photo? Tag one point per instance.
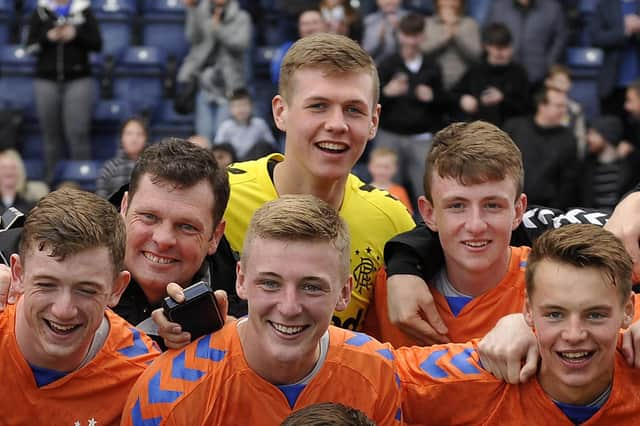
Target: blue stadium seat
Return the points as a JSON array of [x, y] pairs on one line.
[[587, 6], [6, 16], [34, 168], [163, 24], [167, 123], [16, 78], [32, 142], [84, 173], [108, 116], [138, 77], [424, 7], [584, 64], [115, 18]]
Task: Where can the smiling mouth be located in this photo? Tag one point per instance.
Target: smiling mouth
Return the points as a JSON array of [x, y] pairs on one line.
[[60, 328], [157, 259], [576, 357], [476, 244], [332, 147], [288, 330]]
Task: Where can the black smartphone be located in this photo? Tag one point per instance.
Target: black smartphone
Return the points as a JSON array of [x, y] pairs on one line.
[[198, 314]]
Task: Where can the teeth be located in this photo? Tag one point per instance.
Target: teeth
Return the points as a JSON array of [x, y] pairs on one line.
[[61, 328], [574, 355], [287, 330], [332, 146], [476, 244], [156, 259]]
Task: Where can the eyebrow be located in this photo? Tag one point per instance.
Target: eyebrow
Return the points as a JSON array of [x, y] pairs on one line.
[[589, 308], [324, 99]]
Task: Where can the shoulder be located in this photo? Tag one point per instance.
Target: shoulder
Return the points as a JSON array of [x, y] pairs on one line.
[[245, 171], [128, 343]]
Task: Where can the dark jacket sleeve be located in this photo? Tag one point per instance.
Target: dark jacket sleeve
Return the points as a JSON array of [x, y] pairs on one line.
[[88, 34], [223, 277]]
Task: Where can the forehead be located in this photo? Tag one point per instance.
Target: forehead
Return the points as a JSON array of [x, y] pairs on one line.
[[311, 83], [163, 198], [449, 187], [92, 265], [293, 258]]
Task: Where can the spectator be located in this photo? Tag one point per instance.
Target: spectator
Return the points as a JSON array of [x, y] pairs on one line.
[[454, 39], [539, 31], [13, 182], [242, 129], [497, 88], [606, 176], [412, 100], [342, 18], [380, 36], [201, 141], [61, 34], [220, 33], [559, 78], [310, 22], [117, 171], [383, 166], [549, 151], [615, 27], [224, 154]]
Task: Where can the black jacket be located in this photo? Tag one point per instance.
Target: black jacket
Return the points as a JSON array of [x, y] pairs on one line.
[[63, 61]]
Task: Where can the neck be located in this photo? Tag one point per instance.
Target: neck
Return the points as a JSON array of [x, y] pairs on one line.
[[474, 283], [289, 178], [575, 395], [381, 184], [409, 54], [274, 371], [34, 354]]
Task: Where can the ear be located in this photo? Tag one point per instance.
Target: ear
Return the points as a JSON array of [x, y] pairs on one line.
[[216, 237], [521, 207], [375, 119], [528, 311], [17, 273], [279, 109], [629, 311], [427, 212], [118, 287], [124, 204], [345, 294], [241, 285]]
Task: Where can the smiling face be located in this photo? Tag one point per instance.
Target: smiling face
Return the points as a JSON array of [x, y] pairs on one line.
[[474, 223], [169, 232], [292, 289], [63, 304], [328, 119], [577, 330]]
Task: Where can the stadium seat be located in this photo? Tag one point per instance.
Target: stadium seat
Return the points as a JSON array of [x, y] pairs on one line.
[[115, 18], [584, 64], [167, 123], [138, 78], [34, 169], [163, 24], [424, 7], [108, 116], [32, 142], [16, 78], [83, 173], [6, 16]]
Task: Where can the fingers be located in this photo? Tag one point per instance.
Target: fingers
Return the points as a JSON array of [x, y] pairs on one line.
[[170, 332], [223, 304], [7, 294], [531, 364], [422, 332], [176, 292]]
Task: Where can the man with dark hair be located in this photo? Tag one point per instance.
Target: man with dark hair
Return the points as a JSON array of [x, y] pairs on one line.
[[497, 88], [549, 151], [328, 413], [412, 100]]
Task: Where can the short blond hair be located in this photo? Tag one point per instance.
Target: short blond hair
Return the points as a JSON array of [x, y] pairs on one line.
[[473, 153], [584, 246], [14, 156], [383, 151], [297, 218], [334, 53]]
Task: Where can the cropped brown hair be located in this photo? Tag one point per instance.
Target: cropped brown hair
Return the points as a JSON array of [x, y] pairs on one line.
[[583, 245], [334, 53], [328, 413], [68, 221], [300, 218], [473, 153], [182, 164]]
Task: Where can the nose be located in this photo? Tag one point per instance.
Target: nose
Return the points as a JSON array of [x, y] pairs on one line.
[[335, 121], [574, 332], [164, 236], [63, 307], [475, 222], [289, 305]]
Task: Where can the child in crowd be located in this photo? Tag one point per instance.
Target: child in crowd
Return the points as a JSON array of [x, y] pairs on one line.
[[116, 172], [606, 174], [225, 153], [383, 165], [243, 130]]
